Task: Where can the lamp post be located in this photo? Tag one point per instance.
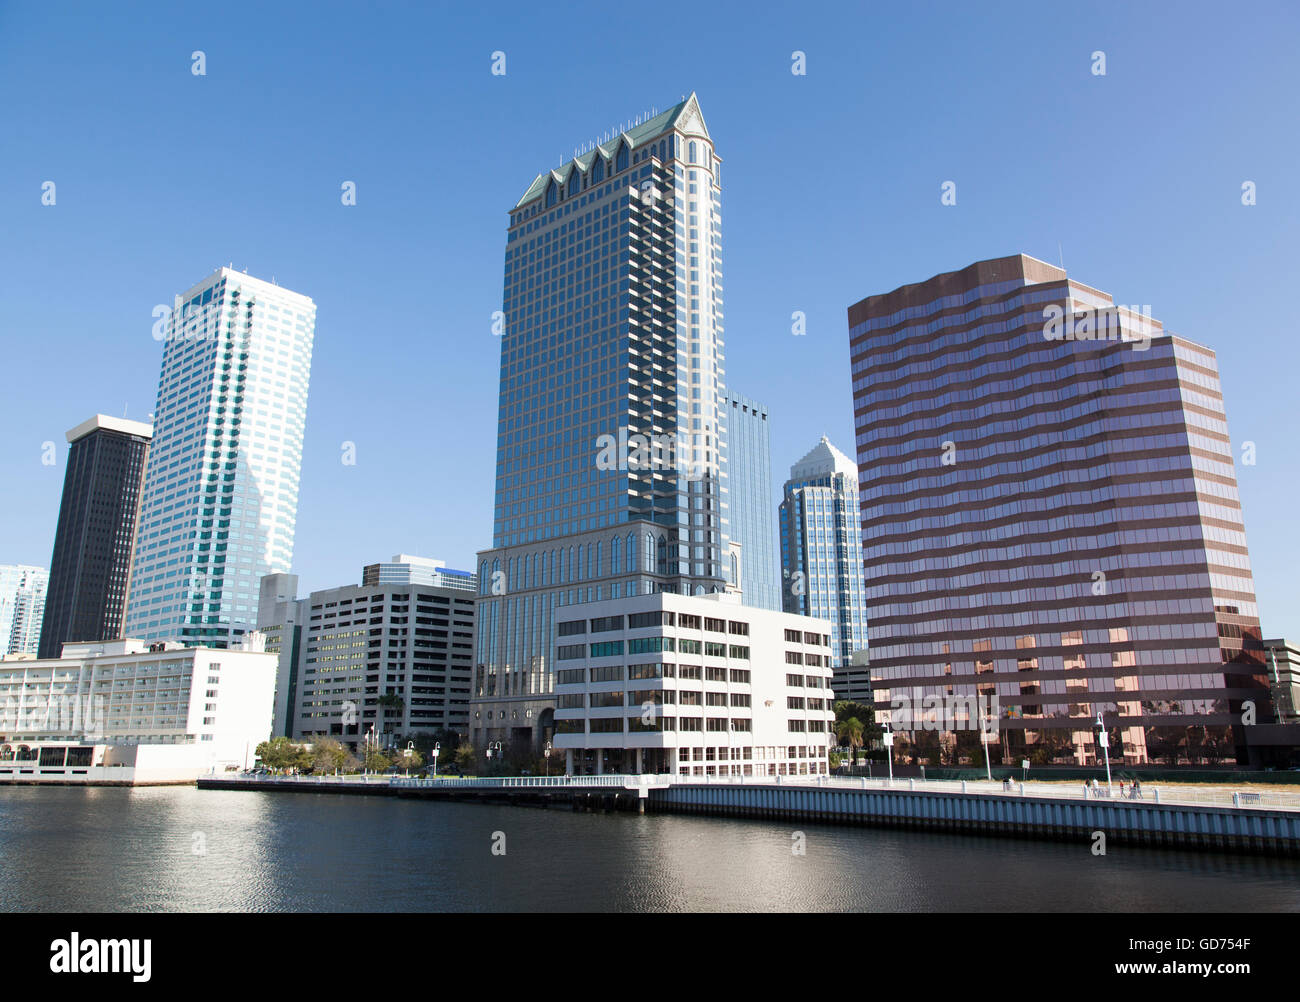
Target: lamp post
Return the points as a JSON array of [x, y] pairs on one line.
[[1104, 740], [437, 750], [889, 748], [493, 745], [407, 752], [547, 755], [984, 740]]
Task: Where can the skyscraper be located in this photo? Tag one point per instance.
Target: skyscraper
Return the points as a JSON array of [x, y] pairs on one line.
[[1050, 521], [611, 455], [221, 492], [821, 550], [22, 607], [95, 539], [749, 502]]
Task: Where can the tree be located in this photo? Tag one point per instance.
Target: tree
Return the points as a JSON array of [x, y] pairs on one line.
[[327, 756], [465, 757], [849, 732], [376, 761], [278, 753]]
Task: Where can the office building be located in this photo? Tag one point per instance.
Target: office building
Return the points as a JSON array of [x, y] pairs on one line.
[[406, 569], [221, 490], [1282, 658], [1050, 520], [750, 525], [692, 685], [123, 711], [376, 662], [821, 548], [22, 607], [611, 450], [281, 618], [90, 569]]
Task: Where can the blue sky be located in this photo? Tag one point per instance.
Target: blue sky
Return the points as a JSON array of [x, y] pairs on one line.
[[831, 185]]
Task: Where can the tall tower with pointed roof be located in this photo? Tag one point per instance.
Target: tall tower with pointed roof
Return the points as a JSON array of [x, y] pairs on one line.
[[611, 465], [821, 548]]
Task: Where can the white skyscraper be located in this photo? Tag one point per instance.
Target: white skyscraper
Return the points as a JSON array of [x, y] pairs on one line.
[[221, 491], [22, 607]]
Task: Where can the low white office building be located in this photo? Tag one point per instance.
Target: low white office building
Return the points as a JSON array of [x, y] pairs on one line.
[[692, 685], [131, 712]]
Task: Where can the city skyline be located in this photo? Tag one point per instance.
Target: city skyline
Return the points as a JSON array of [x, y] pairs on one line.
[[813, 274]]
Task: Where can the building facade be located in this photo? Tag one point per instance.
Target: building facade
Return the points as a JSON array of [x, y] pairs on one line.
[[1283, 661], [376, 662], [1050, 522], [221, 491], [751, 529], [821, 549], [94, 542], [22, 607], [692, 685], [281, 619], [127, 711], [406, 569], [611, 456]]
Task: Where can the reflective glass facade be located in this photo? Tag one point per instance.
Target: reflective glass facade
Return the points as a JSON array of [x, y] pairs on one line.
[[221, 490], [1050, 517], [749, 503], [821, 549], [611, 456]]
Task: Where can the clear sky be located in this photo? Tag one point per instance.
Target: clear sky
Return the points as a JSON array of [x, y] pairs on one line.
[[831, 192]]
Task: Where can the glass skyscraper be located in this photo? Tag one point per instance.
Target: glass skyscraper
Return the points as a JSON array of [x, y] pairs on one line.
[[1051, 522], [93, 544], [749, 503], [22, 607], [611, 449], [221, 491], [821, 549]]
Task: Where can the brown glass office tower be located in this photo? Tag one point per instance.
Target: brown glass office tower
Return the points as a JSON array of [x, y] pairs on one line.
[[95, 539], [1050, 526]]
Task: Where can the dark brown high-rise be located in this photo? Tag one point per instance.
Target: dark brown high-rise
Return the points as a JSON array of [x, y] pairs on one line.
[[95, 539], [1050, 523]]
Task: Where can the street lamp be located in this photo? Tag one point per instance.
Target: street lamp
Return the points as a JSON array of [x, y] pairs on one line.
[[491, 746], [889, 748], [407, 752], [1104, 740], [547, 755], [437, 750], [984, 740]]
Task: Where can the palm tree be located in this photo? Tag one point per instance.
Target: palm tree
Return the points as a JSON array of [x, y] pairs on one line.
[[849, 732]]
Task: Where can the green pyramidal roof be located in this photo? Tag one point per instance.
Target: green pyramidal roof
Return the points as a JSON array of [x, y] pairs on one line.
[[685, 115]]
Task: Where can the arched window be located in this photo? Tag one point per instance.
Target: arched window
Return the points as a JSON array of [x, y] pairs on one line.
[[615, 553], [661, 562], [580, 570], [573, 182], [631, 553], [648, 554], [598, 171], [620, 163], [550, 194], [595, 561], [496, 575], [692, 152], [483, 579]]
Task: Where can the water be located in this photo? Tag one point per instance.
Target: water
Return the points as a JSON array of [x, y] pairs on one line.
[[115, 849]]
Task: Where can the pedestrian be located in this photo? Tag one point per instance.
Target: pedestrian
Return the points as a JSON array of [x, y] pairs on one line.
[[1137, 790], [1121, 789]]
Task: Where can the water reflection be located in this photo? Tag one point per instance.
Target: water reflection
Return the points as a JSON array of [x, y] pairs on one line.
[[182, 849]]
